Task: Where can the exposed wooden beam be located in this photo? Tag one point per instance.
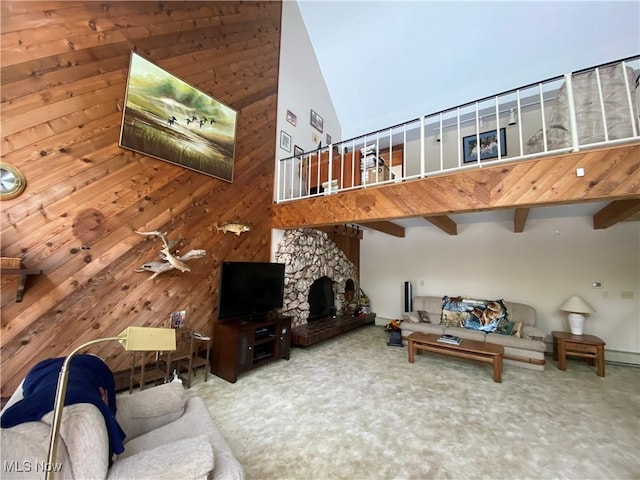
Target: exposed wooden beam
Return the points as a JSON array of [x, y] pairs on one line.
[[519, 219], [444, 223], [615, 212], [389, 228]]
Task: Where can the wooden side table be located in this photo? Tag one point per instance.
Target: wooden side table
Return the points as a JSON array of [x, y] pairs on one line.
[[584, 346]]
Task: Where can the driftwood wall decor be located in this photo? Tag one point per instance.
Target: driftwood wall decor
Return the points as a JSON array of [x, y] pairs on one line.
[[169, 256], [64, 69]]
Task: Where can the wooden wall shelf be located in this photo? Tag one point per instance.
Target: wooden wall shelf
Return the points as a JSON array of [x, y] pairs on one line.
[[24, 273]]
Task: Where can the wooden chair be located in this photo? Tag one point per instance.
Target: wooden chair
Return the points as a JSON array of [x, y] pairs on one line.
[[189, 346]]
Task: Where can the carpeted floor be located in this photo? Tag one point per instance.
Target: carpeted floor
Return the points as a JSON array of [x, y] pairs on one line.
[[354, 408]]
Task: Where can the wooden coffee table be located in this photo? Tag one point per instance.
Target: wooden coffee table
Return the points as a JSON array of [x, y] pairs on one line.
[[471, 349], [584, 346]]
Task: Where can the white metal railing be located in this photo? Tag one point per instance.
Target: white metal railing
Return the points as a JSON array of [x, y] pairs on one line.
[[586, 109]]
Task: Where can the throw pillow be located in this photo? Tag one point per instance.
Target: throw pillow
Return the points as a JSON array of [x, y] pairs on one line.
[[410, 317], [423, 316], [517, 329], [505, 327]]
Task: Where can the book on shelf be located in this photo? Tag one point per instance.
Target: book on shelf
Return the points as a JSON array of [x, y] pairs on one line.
[[451, 339]]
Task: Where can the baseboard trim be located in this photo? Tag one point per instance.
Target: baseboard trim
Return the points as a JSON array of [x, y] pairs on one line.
[[615, 357], [382, 321], [622, 358]]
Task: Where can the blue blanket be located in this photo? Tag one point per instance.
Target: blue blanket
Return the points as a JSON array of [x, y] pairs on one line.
[[90, 381]]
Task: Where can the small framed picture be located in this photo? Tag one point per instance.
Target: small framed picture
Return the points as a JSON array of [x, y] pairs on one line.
[[316, 121], [488, 146], [292, 118], [328, 139], [285, 141], [297, 151], [176, 319]]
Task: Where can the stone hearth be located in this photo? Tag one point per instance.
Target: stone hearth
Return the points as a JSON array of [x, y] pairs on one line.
[[309, 254]]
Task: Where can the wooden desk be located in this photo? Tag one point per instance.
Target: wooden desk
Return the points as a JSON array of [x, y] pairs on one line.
[[583, 346], [344, 168]]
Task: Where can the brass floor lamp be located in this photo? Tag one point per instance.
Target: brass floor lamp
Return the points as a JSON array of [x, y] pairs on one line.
[[140, 339]]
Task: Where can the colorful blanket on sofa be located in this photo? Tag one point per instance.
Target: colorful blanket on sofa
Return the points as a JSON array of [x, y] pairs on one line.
[[90, 381], [475, 314]]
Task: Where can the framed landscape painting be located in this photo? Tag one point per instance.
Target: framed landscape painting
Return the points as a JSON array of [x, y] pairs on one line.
[[166, 118], [488, 146]]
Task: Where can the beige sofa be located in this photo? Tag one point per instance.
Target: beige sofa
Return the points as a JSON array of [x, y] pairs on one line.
[[526, 351], [169, 436]]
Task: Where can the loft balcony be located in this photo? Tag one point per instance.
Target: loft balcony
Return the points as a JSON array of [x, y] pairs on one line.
[[569, 139]]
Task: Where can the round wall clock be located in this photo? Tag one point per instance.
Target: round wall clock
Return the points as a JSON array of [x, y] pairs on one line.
[[12, 181]]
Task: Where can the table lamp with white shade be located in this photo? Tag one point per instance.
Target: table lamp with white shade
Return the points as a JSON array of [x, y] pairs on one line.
[[577, 308], [139, 339]]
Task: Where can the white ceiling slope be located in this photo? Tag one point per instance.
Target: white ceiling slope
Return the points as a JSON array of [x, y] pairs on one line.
[[386, 62]]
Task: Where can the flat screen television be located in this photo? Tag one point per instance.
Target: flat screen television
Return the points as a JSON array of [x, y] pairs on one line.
[[250, 289]]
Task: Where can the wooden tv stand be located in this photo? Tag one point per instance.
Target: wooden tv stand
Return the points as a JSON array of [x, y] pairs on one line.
[[242, 344]]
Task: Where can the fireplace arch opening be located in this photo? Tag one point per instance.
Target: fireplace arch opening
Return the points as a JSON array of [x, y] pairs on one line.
[[321, 298]]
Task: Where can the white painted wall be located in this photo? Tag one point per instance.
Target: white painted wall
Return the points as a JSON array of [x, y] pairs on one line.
[[302, 86], [537, 267]]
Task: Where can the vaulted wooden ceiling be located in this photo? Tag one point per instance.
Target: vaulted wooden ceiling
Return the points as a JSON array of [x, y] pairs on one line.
[[610, 174]]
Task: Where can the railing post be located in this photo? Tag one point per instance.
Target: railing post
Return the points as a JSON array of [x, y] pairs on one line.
[[519, 107], [278, 180], [459, 136], [404, 150], [478, 153], [545, 145], [575, 142], [441, 132], [353, 163], [341, 153], [308, 185], [498, 128], [293, 170], [330, 175], [604, 116], [377, 155], [422, 159], [627, 89]]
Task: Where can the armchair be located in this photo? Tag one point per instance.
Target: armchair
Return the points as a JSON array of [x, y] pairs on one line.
[[168, 436]]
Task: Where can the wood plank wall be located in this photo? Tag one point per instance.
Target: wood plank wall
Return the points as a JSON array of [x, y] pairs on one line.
[[64, 70]]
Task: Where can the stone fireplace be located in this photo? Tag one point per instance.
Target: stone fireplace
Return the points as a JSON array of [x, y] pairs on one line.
[[309, 255]]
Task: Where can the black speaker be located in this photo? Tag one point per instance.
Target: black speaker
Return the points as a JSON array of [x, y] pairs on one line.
[[408, 297]]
